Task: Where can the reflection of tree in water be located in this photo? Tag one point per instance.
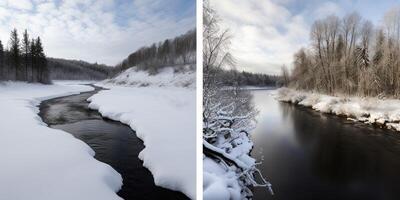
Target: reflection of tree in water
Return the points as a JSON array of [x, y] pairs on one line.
[[338, 152]]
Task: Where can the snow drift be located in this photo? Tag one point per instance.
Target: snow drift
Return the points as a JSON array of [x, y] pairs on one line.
[[182, 77], [384, 113], [161, 108], [43, 163]]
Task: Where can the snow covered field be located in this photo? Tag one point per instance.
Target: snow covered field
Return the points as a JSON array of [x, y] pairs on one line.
[[161, 109], [384, 113], [43, 163]]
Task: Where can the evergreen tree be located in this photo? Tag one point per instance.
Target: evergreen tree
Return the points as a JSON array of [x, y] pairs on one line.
[[26, 52], [42, 63], [15, 54], [33, 61], [2, 66]]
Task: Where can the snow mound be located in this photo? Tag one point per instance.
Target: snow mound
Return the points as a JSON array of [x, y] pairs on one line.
[[165, 119], [44, 163], [218, 182], [182, 76], [384, 113]]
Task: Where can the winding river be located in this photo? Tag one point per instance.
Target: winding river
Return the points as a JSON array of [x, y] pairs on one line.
[[114, 143], [309, 155]]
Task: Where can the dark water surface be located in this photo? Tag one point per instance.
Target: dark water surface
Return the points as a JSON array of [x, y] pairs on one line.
[[309, 155], [114, 143]]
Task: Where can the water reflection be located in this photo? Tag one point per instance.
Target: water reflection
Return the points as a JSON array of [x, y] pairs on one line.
[[310, 155]]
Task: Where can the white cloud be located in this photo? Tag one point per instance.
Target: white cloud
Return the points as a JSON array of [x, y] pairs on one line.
[[265, 33], [20, 4], [327, 8], [89, 29]]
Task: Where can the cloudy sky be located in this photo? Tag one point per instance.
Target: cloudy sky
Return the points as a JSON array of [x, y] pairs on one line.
[[104, 31], [266, 33]]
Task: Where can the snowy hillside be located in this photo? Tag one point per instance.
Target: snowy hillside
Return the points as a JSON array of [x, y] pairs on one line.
[[184, 76], [384, 113], [161, 108], [44, 163]]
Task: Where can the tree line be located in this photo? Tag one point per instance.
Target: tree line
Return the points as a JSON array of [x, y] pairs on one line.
[[243, 78], [63, 69], [178, 51], [350, 56], [24, 60]]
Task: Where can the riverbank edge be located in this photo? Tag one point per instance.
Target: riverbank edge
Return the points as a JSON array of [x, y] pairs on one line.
[[124, 118], [382, 113], [111, 180]]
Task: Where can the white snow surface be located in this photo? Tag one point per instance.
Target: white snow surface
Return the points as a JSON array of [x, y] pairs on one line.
[[382, 112], [219, 183], [41, 163], [166, 77], [163, 115]]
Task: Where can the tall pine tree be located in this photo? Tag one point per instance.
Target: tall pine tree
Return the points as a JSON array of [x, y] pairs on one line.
[[2, 66], [26, 53], [42, 63], [15, 54], [33, 61]]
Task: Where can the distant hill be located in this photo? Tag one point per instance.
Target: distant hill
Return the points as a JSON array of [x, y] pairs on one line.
[[64, 69], [178, 51]]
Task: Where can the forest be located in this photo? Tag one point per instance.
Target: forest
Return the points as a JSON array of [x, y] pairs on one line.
[[63, 69], [178, 51], [243, 78], [350, 55], [24, 60]]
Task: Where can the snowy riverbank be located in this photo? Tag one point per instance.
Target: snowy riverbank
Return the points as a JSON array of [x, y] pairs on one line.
[[161, 109], [384, 113], [43, 163]]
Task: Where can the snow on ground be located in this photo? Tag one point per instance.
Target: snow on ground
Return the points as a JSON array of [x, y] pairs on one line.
[[167, 77], [218, 182], [163, 114], [384, 113], [43, 163]]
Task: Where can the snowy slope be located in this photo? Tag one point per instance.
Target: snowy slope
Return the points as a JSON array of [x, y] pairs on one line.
[[43, 163], [384, 113], [161, 109], [167, 77]]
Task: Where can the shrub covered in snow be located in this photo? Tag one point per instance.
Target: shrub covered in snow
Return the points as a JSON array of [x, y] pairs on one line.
[[229, 116]]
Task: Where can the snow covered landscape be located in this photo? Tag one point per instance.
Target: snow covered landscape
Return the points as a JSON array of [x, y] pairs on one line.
[[98, 100], [44, 163], [381, 112], [161, 109]]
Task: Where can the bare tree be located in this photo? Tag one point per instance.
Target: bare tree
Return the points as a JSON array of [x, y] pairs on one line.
[[228, 112], [343, 60]]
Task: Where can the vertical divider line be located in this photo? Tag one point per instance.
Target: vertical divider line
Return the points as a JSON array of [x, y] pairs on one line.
[[199, 99]]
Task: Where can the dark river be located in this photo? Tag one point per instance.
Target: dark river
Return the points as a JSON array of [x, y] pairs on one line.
[[114, 143], [309, 155]]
